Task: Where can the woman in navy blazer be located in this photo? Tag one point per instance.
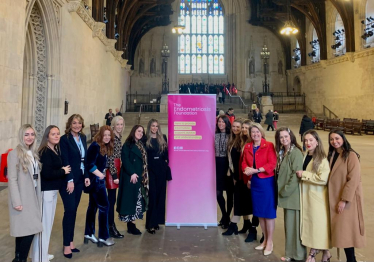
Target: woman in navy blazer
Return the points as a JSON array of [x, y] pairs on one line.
[[96, 164], [73, 152]]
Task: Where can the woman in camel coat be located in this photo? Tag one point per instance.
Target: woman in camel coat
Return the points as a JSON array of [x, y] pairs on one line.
[[345, 196]]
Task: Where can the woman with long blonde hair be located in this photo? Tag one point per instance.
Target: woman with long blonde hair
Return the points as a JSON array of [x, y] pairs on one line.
[[158, 159], [24, 200], [314, 221]]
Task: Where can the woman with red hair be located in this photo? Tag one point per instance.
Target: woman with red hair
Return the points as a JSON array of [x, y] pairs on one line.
[[96, 164]]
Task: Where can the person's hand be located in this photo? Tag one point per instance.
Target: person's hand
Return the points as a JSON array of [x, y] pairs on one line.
[[341, 206], [87, 182], [18, 208], [249, 184], [250, 171], [116, 181], [134, 178], [299, 173], [67, 169], [70, 187], [101, 176]]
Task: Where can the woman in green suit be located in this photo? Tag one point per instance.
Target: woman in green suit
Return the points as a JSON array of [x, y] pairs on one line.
[[290, 159], [133, 189]]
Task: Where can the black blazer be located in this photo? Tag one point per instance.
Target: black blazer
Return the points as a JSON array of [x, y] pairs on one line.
[[94, 160], [71, 155], [52, 175]]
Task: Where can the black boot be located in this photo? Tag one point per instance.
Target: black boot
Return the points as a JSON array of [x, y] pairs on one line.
[[113, 232], [246, 226], [226, 222], [252, 235], [233, 229], [16, 259], [131, 228]]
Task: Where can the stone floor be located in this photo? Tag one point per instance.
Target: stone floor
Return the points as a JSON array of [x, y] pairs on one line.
[[194, 243]]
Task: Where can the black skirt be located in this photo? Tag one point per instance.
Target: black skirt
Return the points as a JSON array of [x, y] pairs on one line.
[[242, 199]]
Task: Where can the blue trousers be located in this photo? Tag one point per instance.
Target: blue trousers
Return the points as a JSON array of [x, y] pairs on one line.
[[98, 199]]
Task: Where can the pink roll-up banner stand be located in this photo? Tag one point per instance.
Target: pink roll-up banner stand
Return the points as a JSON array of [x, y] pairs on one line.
[[191, 195]]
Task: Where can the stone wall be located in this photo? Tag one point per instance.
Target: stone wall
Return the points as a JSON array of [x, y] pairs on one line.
[[343, 84], [82, 67]]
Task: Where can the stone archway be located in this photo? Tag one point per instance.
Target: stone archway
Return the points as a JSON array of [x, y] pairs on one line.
[[40, 90]]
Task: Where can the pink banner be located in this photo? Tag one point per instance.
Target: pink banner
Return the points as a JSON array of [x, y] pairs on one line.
[[191, 195]]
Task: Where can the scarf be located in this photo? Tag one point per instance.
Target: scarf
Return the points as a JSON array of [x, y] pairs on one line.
[[145, 179], [281, 155]]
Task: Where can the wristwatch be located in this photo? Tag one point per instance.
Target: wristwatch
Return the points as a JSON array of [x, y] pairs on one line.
[[259, 171]]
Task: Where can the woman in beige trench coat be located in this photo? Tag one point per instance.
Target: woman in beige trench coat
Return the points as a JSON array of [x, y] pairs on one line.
[[24, 192], [315, 218], [345, 196]]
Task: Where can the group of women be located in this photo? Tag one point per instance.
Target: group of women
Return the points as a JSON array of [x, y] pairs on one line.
[[139, 169], [321, 195]]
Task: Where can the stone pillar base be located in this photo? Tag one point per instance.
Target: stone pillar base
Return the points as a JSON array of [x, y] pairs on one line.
[[266, 104], [164, 103]]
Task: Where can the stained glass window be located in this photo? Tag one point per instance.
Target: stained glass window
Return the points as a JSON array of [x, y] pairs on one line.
[[201, 46]]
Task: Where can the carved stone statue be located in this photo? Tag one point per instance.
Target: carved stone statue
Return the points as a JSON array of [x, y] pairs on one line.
[[251, 66], [152, 68], [141, 66], [280, 67]]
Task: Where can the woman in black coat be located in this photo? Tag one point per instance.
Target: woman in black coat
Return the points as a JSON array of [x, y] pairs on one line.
[[158, 159], [133, 188], [73, 153]]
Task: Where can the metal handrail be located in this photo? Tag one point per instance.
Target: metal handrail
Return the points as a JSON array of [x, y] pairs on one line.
[[329, 111], [241, 100]]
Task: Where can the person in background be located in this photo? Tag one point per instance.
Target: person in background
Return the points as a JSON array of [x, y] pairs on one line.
[[109, 116], [314, 221], [290, 160], [96, 164], [259, 162], [223, 182], [220, 96], [269, 120], [224, 95], [51, 179], [118, 113], [275, 119], [257, 117], [306, 124], [345, 196], [158, 158], [24, 192], [73, 153], [132, 199], [118, 125], [230, 115]]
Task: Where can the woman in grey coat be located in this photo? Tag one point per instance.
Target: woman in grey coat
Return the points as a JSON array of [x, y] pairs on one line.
[[269, 120], [24, 199]]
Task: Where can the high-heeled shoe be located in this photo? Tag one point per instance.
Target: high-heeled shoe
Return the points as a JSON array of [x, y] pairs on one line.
[[260, 247], [268, 252], [157, 227], [233, 229], [151, 231], [91, 238], [75, 250], [131, 228], [108, 242], [69, 256], [246, 227], [252, 235], [328, 260]]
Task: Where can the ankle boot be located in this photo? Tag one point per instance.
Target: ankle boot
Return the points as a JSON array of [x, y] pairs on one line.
[[246, 227], [252, 235], [226, 222], [233, 229], [113, 232], [131, 228], [16, 259]]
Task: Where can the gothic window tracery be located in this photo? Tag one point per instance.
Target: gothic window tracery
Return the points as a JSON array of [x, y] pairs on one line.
[[203, 37]]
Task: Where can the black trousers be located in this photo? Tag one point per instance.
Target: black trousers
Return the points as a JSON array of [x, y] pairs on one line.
[[272, 127], [71, 203], [112, 197], [23, 245], [350, 254]]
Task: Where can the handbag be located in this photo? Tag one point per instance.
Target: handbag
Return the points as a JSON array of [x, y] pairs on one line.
[[109, 178]]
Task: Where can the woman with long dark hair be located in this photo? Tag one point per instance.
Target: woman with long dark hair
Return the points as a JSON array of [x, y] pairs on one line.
[[51, 178], [290, 160], [158, 159], [345, 196], [96, 165], [24, 199], [73, 153], [114, 162], [134, 185], [223, 182], [314, 221]]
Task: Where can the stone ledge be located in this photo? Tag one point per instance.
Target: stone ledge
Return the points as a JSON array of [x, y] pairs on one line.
[[97, 31]]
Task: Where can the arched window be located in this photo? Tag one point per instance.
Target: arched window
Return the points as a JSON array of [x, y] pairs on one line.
[[339, 37], [368, 25], [315, 54], [203, 37]]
